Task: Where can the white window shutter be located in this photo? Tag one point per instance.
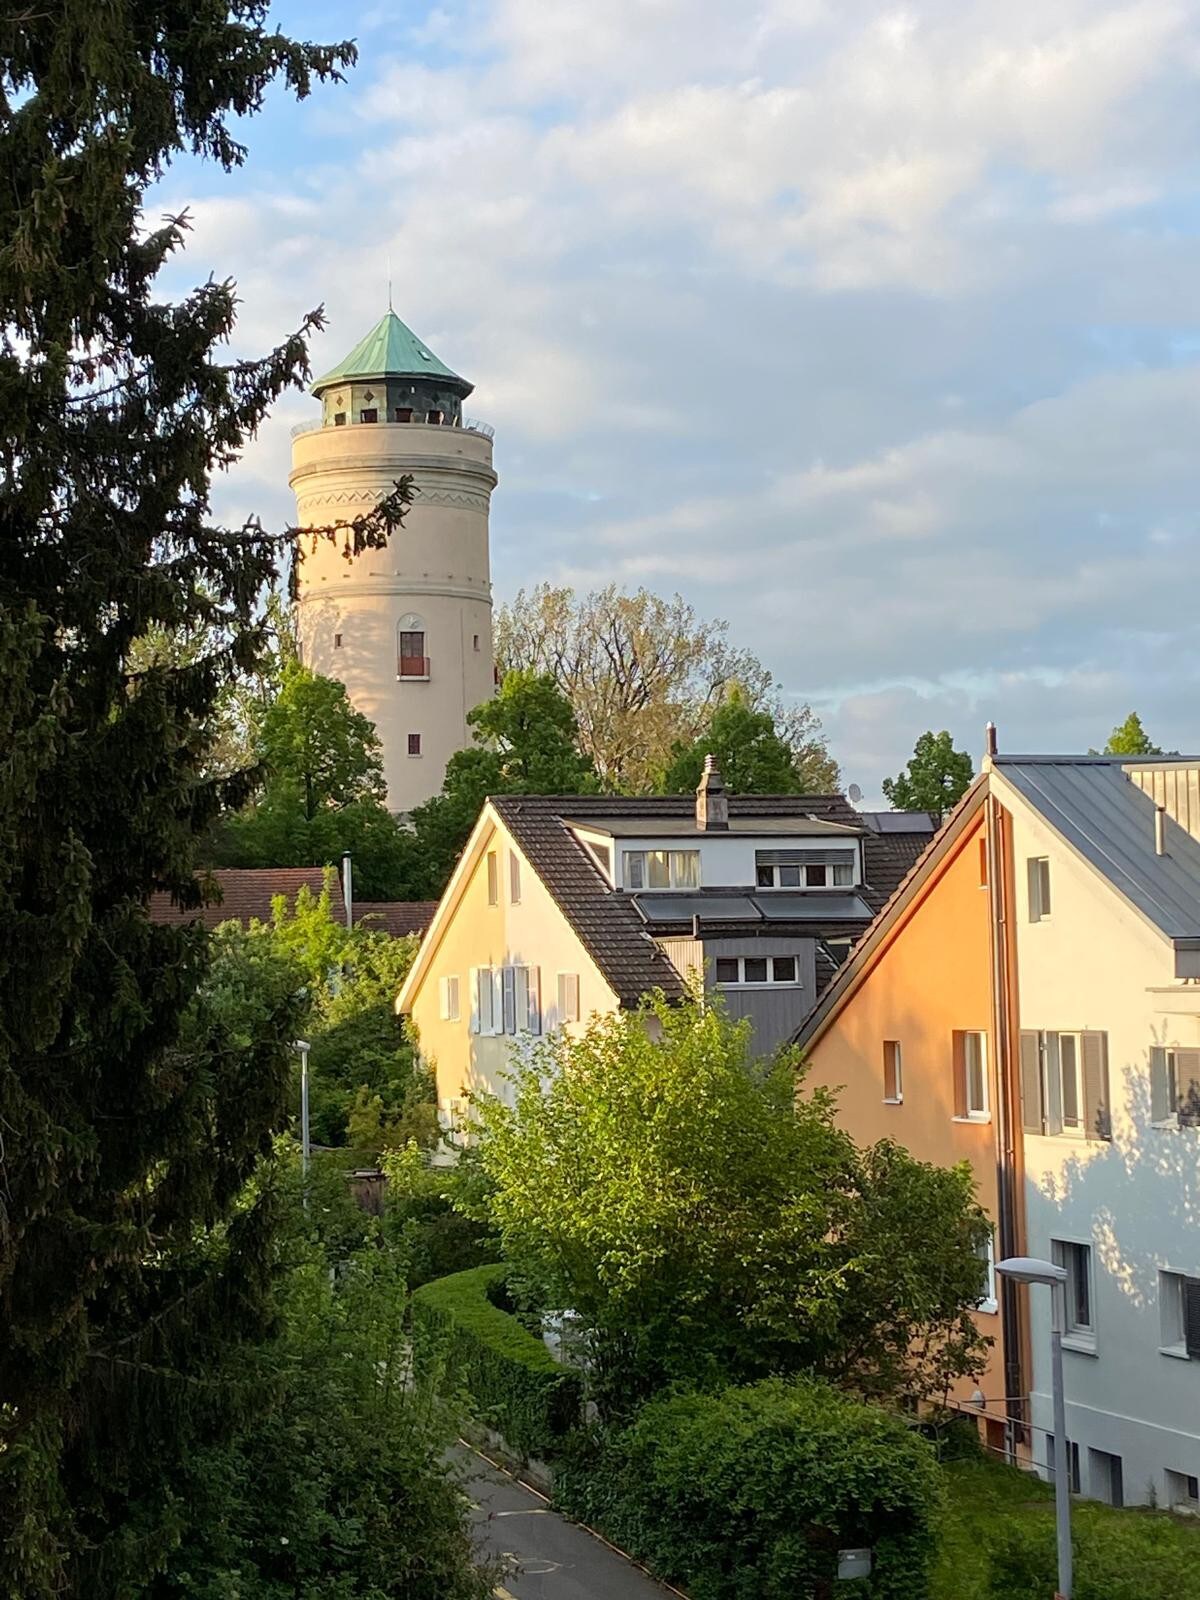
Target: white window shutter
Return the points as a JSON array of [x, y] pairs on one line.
[[452, 1011], [533, 999], [506, 1022], [1160, 1091], [475, 996]]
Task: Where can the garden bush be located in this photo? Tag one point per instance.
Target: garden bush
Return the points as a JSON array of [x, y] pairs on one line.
[[463, 1342], [749, 1494]]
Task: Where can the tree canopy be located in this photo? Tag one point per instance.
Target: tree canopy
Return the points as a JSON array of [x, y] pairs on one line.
[[314, 739], [135, 1273], [643, 675], [1129, 738], [936, 778], [753, 757], [706, 1224], [525, 743]]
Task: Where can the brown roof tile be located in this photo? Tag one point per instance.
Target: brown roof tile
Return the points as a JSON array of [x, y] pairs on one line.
[[244, 894], [397, 917]]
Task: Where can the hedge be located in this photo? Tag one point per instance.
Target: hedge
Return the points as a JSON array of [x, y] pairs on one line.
[[464, 1342], [749, 1494], [1129, 1555]]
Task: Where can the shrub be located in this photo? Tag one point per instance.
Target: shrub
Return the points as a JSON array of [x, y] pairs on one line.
[[462, 1341], [750, 1493]]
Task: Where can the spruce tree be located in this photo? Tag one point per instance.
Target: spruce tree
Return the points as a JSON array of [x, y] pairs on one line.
[[133, 1278]]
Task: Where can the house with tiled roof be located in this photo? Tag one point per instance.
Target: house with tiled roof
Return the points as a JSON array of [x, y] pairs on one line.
[[247, 894], [562, 907], [1029, 1003]]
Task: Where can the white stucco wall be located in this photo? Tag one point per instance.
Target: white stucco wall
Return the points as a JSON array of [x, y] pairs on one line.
[[1095, 963], [727, 859]]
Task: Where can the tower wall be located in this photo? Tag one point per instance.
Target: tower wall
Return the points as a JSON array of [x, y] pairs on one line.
[[434, 577]]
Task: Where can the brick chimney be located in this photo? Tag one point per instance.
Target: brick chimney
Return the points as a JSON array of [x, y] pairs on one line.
[[712, 803]]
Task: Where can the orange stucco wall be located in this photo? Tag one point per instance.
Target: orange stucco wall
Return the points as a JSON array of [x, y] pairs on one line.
[[931, 978]]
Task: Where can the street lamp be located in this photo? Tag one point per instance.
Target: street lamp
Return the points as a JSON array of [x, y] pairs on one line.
[[1029, 1269], [302, 1047]]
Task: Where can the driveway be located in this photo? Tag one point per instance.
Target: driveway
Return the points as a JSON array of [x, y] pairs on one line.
[[544, 1556]]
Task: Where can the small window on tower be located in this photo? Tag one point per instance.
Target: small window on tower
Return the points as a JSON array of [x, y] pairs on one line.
[[434, 417], [337, 641], [403, 413], [414, 744], [475, 641], [371, 414], [339, 419]]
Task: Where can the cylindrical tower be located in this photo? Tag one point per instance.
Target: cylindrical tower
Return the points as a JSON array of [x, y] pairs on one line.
[[408, 629]]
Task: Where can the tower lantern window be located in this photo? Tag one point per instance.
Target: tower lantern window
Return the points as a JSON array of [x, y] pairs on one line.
[[403, 413], [435, 417], [369, 414]]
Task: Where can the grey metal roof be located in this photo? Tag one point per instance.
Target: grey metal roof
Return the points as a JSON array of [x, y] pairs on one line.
[[1096, 808]]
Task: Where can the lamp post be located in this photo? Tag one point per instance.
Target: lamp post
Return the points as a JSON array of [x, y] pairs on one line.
[[301, 1046], [1029, 1269]]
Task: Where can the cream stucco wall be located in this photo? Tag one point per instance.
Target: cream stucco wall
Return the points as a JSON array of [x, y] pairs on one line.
[[532, 932], [931, 978], [436, 567], [1095, 963]]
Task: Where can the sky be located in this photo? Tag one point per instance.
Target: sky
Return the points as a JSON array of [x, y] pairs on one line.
[[872, 329]]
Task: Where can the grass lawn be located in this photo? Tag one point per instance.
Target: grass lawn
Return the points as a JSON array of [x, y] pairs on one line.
[[1119, 1555]]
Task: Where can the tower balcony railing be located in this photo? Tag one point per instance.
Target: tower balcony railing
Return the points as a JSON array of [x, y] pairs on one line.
[[413, 667], [468, 425]]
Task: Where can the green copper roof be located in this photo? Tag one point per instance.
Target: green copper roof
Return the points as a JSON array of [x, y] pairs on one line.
[[389, 350]]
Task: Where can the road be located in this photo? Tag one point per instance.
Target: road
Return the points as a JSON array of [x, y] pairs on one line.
[[545, 1557]]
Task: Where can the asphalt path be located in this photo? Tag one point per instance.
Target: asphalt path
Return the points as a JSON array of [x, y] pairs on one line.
[[543, 1556]]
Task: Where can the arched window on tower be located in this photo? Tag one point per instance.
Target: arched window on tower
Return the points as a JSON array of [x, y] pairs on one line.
[[411, 660]]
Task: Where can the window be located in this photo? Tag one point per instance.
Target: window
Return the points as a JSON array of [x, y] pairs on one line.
[[970, 1077], [662, 869], [434, 417], [403, 413], [493, 872], [1179, 1315], [568, 997], [505, 1000], [1038, 868], [339, 419], [1073, 1478], [1106, 1481], [1077, 1259], [1064, 1084], [738, 971], [601, 854], [804, 869], [448, 996], [893, 1075], [1175, 1086], [475, 642], [987, 1254], [1183, 1491], [370, 414], [337, 641], [414, 744], [514, 878], [411, 649]]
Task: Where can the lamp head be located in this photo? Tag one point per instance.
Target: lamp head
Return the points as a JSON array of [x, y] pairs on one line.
[[1030, 1269]]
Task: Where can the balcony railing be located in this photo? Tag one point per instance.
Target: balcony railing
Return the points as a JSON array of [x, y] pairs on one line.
[[468, 425], [412, 666]]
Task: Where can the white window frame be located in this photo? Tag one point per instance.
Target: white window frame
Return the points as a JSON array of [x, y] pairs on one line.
[[896, 1099], [635, 863], [1164, 1059], [989, 1303], [981, 1113], [769, 982], [1054, 1062], [1172, 1313], [1178, 1486], [1041, 902], [1064, 1253], [448, 999], [802, 868], [487, 1002]]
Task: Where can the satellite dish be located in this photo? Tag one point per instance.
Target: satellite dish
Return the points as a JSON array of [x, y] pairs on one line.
[[855, 793]]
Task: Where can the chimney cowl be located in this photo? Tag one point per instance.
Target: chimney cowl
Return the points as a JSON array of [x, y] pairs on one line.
[[712, 801]]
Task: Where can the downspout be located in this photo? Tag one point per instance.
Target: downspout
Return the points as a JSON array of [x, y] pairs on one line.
[[999, 936]]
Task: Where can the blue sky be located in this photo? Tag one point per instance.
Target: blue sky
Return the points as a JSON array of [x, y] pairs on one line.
[[873, 329]]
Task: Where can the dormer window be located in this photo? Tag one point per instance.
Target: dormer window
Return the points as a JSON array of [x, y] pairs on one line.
[[662, 869], [804, 869]]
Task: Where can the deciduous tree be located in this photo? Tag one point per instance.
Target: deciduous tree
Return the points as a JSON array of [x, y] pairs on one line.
[[708, 1225], [1129, 738], [935, 779], [753, 756]]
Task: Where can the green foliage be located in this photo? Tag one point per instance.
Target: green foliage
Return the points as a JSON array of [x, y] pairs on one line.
[[525, 744], [936, 778], [313, 737], [751, 1492], [338, 1490], [463, 1340], [425, 1219], [1129, 738], [998, 1540], [707, 1225], [753, 758]]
